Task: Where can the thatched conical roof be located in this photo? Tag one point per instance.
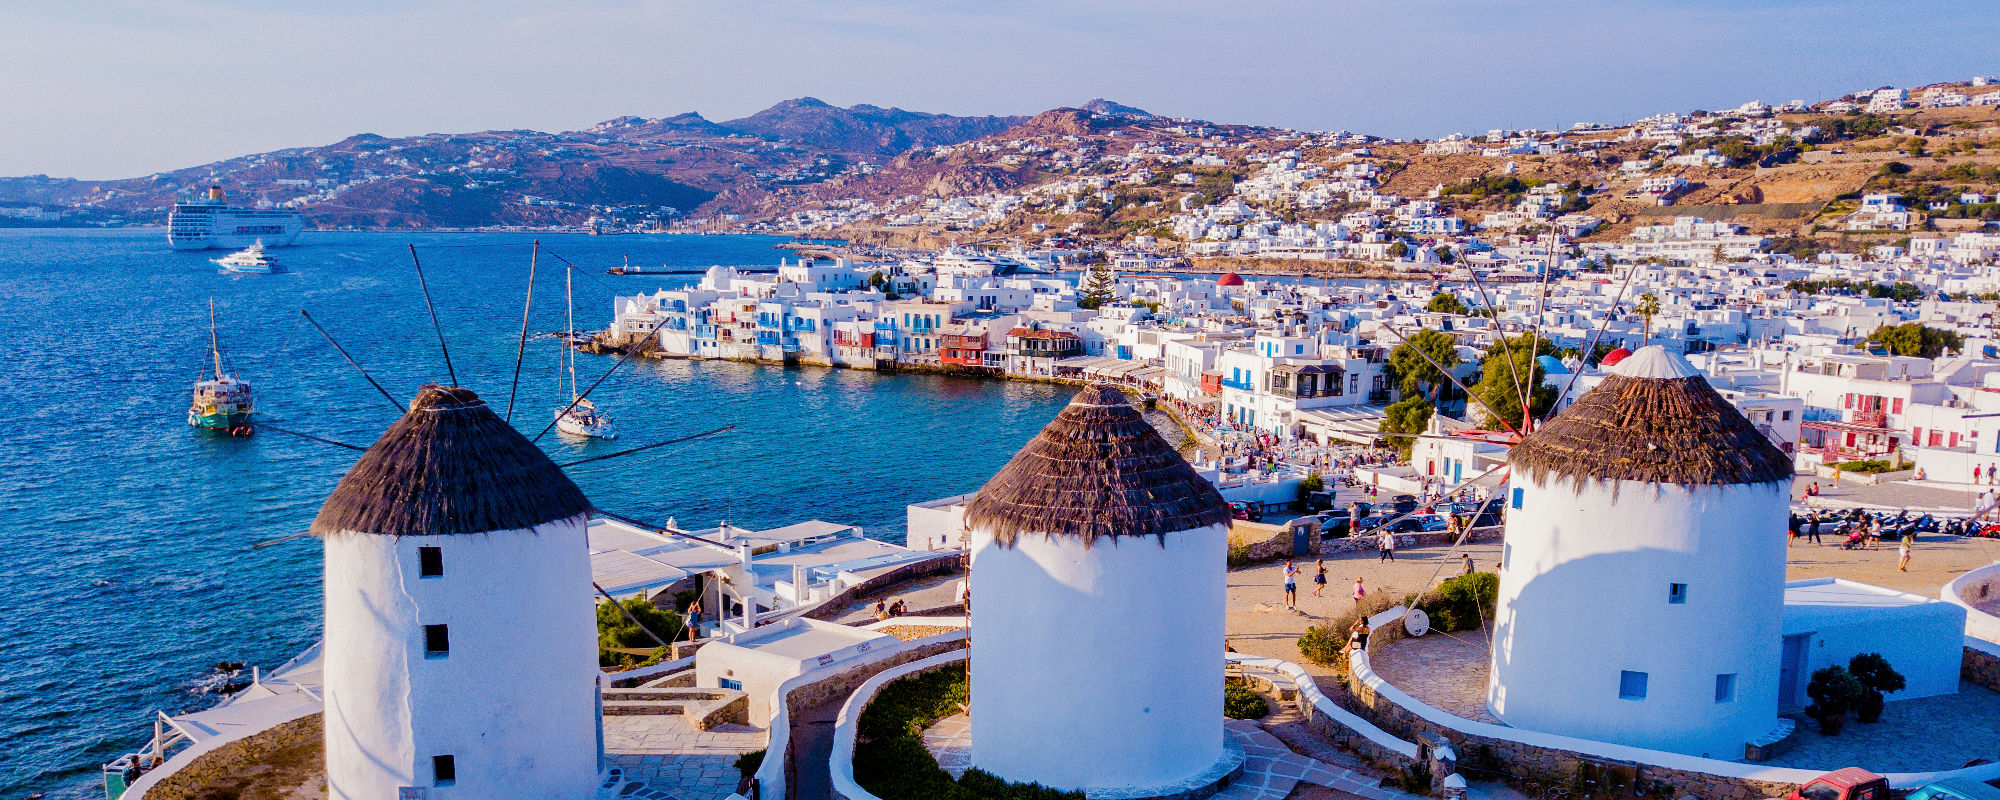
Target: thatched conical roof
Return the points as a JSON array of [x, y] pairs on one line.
[[1654, 419], [450, 465], [1098, 470]]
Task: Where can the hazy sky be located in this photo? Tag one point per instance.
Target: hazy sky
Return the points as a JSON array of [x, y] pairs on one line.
[[118, 89]]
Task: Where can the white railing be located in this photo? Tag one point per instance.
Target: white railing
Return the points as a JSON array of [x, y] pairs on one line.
[[1978, 624], [840, 763]]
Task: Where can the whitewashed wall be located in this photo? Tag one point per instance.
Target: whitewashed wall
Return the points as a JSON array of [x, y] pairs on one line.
[[515, 700], [1098, 667], [1584, 596]]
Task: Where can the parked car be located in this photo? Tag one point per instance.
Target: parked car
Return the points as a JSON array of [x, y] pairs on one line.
[[1489, 513], [1333, 523], [1955, 789], [1403, 503], [1850, 783], [1415, 523], [1319, 501], [1248, 510]]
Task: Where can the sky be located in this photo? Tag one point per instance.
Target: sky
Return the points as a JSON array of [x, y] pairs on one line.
[[121, 88]]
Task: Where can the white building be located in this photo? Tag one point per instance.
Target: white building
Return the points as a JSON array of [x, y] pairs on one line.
[[1642, 580], [1099, 619], [461, 652]]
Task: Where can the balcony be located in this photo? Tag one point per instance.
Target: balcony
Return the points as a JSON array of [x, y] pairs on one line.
[[1230, 383], [1872, 419]]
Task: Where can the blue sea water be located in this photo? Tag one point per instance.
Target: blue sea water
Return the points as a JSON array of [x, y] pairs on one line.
[[103, 482]]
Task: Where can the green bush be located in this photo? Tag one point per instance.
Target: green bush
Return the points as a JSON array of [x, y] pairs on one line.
[[1462, 603], [1239, 556], [1311, 483], [1239, 702], [748, 763], [1866, 466], [1833, 691], [891, 761], [1326, 643], [615, 631]]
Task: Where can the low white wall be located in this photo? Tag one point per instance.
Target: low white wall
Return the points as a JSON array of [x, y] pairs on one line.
[[1358, 664], [840, 763], [1966, 588], [770, 776], [1322, 705]]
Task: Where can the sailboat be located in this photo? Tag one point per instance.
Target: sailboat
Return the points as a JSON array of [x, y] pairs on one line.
[[221, 402], [579, 417]]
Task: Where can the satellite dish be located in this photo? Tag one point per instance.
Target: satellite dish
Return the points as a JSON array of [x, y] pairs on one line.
[[1417, 623]]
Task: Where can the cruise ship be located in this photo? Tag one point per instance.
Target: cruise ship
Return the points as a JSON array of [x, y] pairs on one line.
[[208, 221]]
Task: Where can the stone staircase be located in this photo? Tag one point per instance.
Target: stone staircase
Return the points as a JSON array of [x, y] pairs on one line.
[[704, 709]]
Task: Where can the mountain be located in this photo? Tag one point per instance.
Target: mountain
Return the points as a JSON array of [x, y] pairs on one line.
[[1103, 106], [873, 130], [631, 167]]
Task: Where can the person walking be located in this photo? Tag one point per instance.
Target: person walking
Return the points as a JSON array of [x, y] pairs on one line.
[[1465, 564], [1388, 551], [1360, 592], [1903, 554], [1319, 578], [1812, 528], [1291, 584]]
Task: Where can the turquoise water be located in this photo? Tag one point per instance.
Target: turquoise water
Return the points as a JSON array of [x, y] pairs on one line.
[[104, 482]]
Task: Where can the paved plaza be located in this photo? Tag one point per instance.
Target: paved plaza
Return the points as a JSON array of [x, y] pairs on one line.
[[666, 754]]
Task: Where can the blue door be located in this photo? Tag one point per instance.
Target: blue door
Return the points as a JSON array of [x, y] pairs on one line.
[[1791, 662]]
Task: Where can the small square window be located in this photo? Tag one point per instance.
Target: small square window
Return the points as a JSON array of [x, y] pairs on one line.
[[444, 770], [1631, 685], [1518, 494], [1506, 555], [437, 641], [1725, 688], [1677, 593], [430, 562], [730, 683]]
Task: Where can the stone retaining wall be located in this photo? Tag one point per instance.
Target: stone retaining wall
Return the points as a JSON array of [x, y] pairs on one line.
[[1521, 761], [1368, 543], [1981, 665], [1271, 542], [827, 610]]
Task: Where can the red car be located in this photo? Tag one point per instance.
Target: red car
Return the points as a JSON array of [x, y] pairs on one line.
[[1852, 783]]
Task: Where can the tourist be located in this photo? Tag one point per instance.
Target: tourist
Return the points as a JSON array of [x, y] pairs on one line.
[[1903, 553], [1319, 577], [1291, 584], [1465, 565], [1360, 592], [1357, 636], [1812, 528], [1874, 529], [1388, 547]]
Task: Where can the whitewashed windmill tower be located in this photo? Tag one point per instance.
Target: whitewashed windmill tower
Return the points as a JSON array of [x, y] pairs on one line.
[[1098, 576], [461, 656], [1642, 579]]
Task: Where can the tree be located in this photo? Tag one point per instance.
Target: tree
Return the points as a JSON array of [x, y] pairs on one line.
[[1915, 339], [1411, 417], [1399, 249], [876, 280], [1508, 361], [1877, 678], [615, 631], [1445, 255], [1413, 372], [1447, 303], [1097, 287], [1647, 307]]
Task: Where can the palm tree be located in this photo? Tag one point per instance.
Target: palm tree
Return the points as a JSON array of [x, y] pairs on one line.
[[1647, 307]]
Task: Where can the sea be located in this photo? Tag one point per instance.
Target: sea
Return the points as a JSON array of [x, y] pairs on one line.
[[126, 562]]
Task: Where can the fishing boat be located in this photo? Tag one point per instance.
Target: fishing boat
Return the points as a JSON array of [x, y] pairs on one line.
[[579, 417], [221, 400], [250, 260]]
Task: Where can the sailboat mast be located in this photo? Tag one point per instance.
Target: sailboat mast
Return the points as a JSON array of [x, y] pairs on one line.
[[569, 325], [214, 346]]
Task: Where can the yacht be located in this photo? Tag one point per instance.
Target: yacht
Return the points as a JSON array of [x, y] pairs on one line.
[[250, 259], [954, 261], [579, 417], [209, 221]]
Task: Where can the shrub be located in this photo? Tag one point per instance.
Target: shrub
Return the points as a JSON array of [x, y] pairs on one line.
[[614, 630], [1239, 702], [1833, 691], [1239, 556], [1312, 483], [1462, 603], [891, 761], [1326, 643], [748, 763], [1877, 678], [1869, 466]]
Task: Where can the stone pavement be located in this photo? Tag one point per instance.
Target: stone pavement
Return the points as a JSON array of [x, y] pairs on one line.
[[1953, 499], [1445, 670], [1928, 733], [920, 595], [667, 755]]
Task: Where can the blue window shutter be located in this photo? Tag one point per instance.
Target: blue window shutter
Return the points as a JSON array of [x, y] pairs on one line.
[[1517, 497]]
